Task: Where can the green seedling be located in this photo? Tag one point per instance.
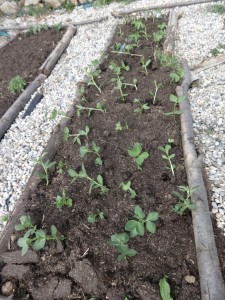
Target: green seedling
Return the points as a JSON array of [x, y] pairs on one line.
[[145, 64], [127, 187], [177, 74], [68, 5], [164, 289], [134, 37], [57, 26], [138, 155], [95, 149], [117, 69], [162, 26], [92, 217], [175, 100], [81, 94], [56, 113], [134, 84], [93, 75], [158, 36], [138, 24], [214, 52], [33, 237], [137, 227], [119, 240], [94, 184], [158, 85], [167, 156], [119, 86], [185, 201], [16, 84], [34, 29], [121, 127], [60, 167], [76, 137], [63, 200], [45, 165], [217, 9], [4, 219], [141, 107], [99, 107]]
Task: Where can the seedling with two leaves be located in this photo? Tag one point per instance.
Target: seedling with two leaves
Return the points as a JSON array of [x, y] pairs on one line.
[[60, 167], [167, 156], [138, 155], [127, 187], [99, 107], [92, 217], [63, 200], [175, 100], [144, 64], [119, 240], [95, 149], [120, 85], [140, 27], [76, 137], [94, 184], [141, 107], [137, 227], [45, 165], [93, 75], [56, 113], [158, 85], [33, 237], [120, 126], [117, 69], [185, 201], [177, 74]]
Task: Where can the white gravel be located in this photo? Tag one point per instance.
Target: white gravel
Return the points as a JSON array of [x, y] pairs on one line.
[[199, 32]]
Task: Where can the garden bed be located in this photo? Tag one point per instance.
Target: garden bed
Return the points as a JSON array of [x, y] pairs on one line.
[[23, 57], [84, 265]]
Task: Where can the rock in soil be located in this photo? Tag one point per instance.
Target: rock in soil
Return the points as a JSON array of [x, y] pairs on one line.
[[15, 257], [115, 294], [7, 288], [15, 271]]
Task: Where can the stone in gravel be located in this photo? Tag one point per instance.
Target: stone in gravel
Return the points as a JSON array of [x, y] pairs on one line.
[[7, 288], [15, 271], [85, 275], [55, 289], [190, 279], [31, 2], [15, 257], [115, 294], [8, 8]]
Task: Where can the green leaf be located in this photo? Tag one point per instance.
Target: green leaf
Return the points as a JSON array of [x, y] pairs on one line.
[[136, 150], [40, 234], [54, 231], [139, 212], [39, 244], [69, 202], [150, 226], [131, 252], [91, 219], [152, 216], [100, 179], [135, 228], [142, 158], [83, 151], [72, 173], [118, 239], [98, 161], [164, 289], [173, 98], [66, 134]]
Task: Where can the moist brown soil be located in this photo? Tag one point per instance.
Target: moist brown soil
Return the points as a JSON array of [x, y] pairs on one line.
[[23, 57], [84, 263]]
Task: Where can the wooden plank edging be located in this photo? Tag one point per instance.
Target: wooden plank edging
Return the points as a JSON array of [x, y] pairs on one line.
[[9, 117]]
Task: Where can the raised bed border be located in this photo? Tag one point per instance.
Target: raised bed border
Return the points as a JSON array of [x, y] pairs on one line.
[[11, 114], [211, 281]]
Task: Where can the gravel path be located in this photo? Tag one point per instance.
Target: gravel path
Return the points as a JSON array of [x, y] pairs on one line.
[[27, 137]]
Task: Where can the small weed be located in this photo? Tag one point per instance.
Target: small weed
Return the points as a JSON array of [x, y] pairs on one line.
[[121, 127], [134, 84], [177, 74], [119, 240], [214, 52], [141, 107], [119, 86], [93, 75], [57, 27], [99, 107], [76, 137], [127, 187], [95, 149], [164, 289], [117, 69], [56, 113], [37, 11], [158, 36], [60, 167], [175, 100], [34, 29], [94, 184], [144, 64], [63, 200], [158, 85], [45, 165], [16, 84], [134, 37], [68, 5], [92, 217], [185, 201], [217, 9], [138, 24], [167, 156], [4, 219], [36, 238], [137, 227], [138, 155]]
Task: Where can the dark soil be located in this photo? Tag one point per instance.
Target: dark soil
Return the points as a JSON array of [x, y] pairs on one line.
[[23, 57], [84, 265]]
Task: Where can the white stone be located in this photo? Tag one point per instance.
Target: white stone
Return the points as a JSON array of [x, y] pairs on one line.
[[8, 8]]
